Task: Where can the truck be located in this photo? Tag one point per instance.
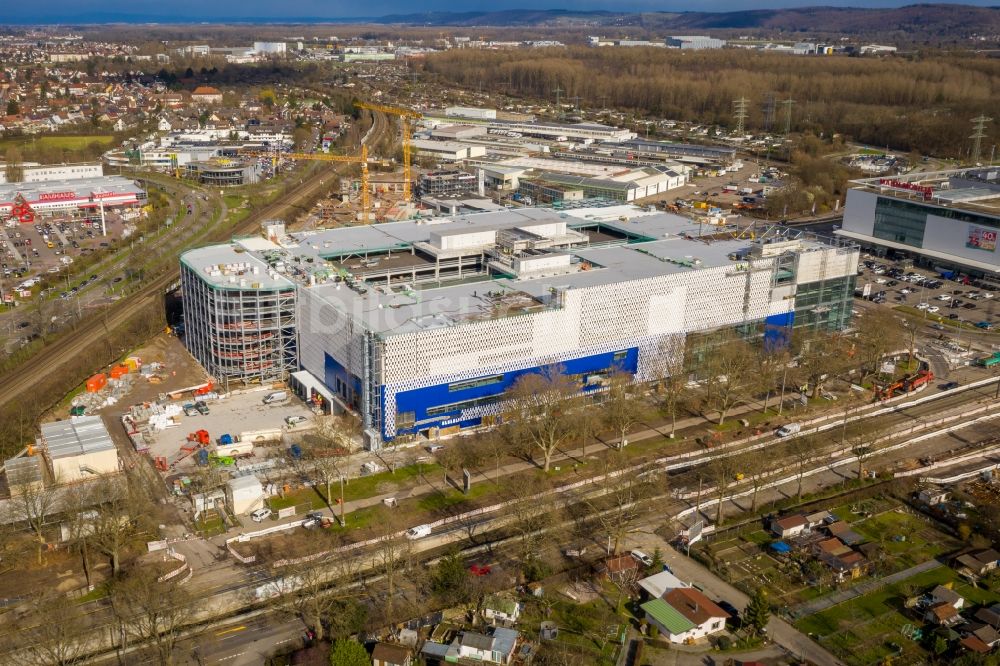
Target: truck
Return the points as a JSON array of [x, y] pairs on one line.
[[989, 361], [275, 397]]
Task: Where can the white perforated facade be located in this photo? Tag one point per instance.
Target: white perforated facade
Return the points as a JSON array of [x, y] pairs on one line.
[[416, 343]]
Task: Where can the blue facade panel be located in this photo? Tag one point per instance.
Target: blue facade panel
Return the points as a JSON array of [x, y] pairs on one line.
[[341, 382], [432, 405], [778, 330]]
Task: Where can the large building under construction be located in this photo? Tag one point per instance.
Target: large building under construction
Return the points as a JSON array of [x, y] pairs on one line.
[[423, 326]]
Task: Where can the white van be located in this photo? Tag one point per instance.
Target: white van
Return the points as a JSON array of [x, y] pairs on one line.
[[418, 532], [260, 515], [276, 396], [788, 429]]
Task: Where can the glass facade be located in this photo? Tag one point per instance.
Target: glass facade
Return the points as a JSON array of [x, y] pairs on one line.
[[900, 221], [825, 304], [904, 221]]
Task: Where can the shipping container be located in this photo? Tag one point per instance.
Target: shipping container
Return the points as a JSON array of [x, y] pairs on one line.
[[119, 371], [97, 382]]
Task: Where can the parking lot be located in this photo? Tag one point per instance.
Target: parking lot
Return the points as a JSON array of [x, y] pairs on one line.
[[50, 245], [236, 414], [959, 299]]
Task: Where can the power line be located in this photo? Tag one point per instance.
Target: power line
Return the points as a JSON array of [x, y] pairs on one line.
[[978, 134], [788, 103], [740, 113], [768, 111]]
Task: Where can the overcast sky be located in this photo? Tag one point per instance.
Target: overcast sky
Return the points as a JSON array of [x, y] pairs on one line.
[[55, 11]]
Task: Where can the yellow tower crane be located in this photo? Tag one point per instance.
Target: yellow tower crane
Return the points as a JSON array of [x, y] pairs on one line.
[[361, 159], [406, 115]]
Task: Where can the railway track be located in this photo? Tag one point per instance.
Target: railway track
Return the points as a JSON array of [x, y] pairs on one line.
[[17, 383]]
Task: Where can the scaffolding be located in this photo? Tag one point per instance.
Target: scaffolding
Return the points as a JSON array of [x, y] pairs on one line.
[[240, 332]]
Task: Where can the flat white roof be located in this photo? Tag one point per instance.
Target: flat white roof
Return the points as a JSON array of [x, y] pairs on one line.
[[75, 437]]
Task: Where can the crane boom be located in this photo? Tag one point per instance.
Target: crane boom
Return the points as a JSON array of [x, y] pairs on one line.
[[361, 159], [405, 115]]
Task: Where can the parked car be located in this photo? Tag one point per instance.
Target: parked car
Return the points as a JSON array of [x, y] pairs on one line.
[[985, 325], [260, 515], [642, 558], [295, 420], [949, 386], [201, 407]]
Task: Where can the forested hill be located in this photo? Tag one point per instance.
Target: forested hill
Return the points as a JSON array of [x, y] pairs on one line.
[[925, 20]]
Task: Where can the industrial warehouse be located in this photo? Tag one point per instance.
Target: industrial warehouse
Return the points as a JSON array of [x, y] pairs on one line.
[[422, 326], [945, 220]]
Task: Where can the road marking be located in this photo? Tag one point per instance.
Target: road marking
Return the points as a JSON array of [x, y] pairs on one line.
[[232, 656], [284, 641], [230, 631]]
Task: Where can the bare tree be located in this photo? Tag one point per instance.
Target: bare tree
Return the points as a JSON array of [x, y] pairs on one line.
[[672, 379], [151, 611], [801, 450], [863, 438], [390, 558], [769, 366], [315, 589], [78, 502], [624, 406], [31, 502], [114, 526], [820, 355], [624, 498], [530, 519], [540, 413], [879, 333], [55, 632], [722, 470], [755, 466], [728, 370]]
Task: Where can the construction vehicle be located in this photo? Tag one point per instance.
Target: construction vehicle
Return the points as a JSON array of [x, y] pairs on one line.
[[405, 115], [201, 437], [907, 384]]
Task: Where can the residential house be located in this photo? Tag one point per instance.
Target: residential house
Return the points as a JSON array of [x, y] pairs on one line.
[[946, 595], [979, 562], [974, 644], [819, 519], [387, 654], [498, 648], [986, 634], [206, 95], [990, 616], [657, 585], [843, 531], [789, 526], [942, 614], [684, 615], [505, 609], [932, 495]]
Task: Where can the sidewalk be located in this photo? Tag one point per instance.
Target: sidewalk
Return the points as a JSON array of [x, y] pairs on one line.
[[822, 603], [573, 456]]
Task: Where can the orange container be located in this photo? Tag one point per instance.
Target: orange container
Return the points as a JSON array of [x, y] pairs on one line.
[[97, 382], [119, 371]]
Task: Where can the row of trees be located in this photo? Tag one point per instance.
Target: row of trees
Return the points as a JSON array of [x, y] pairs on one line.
[[886, 102]]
